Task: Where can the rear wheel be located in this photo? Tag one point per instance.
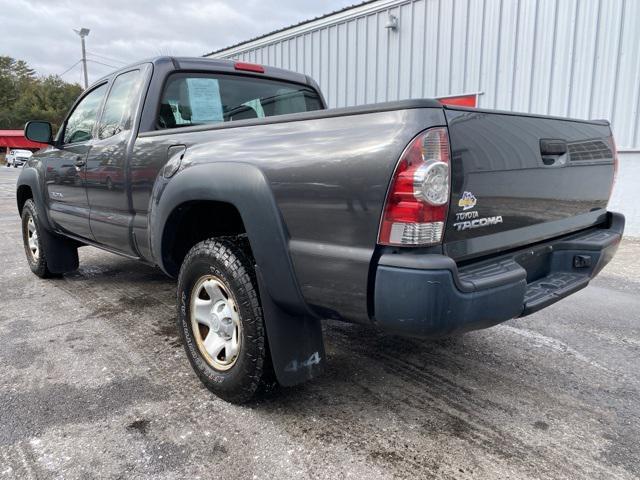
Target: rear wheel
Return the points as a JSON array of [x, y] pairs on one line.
[[220, 319]]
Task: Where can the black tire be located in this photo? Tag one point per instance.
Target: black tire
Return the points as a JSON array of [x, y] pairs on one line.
[[37, 264], [56, 254], [227, 261]]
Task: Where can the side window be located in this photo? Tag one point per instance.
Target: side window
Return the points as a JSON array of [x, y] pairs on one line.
[[201, 98], [190, 101], [80, 124], [118, 109]]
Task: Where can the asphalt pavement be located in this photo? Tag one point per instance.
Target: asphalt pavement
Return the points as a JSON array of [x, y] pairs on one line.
[[94, 383]]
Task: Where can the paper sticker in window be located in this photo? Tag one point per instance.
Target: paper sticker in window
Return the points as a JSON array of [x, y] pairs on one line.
[[204, 99]]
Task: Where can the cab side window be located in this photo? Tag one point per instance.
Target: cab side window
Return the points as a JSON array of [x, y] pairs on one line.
[[79, 126], [118, 109]]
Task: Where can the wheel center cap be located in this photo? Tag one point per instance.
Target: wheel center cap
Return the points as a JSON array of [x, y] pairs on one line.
[[215, 323]]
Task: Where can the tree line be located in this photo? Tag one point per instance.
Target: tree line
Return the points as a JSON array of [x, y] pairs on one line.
[[26, 96]]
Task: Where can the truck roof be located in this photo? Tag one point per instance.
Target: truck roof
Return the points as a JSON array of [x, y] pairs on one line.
[[214, 65]]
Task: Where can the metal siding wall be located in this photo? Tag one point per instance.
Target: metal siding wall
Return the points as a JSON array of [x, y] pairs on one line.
[[578, 58]]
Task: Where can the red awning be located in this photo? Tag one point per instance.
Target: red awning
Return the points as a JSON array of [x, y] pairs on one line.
[[15, 139]]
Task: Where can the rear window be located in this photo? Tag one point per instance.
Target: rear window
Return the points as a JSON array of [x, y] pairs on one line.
[[199, 99]]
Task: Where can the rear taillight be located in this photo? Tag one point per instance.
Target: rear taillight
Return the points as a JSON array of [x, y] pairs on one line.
[[416, 207]]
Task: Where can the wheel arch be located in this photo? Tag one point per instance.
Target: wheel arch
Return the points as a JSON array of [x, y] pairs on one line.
[[293, 329], [192, 221], [23, 194], [235, 187], [29, 186]]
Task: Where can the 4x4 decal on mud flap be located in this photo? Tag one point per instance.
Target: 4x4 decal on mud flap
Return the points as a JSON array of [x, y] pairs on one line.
[[295, 365]]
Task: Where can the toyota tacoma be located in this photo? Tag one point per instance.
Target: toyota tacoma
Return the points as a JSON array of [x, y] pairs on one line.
[[274, 212]]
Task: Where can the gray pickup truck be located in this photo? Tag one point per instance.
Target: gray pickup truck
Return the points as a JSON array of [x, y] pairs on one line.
[[275, 213]]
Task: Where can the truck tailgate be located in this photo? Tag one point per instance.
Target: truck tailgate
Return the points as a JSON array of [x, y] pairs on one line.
[[520, 179]]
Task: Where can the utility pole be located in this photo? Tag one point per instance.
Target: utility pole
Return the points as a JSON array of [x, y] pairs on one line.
[[83, 32]]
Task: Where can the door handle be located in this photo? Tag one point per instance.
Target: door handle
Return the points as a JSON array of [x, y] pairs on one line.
[[80, 162], [550, 146], [553, 152]]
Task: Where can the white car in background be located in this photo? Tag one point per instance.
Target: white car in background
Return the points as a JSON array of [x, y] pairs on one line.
[[17, 157]]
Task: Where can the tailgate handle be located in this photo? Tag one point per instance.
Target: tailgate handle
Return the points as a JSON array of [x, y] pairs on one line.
[[550, 146]]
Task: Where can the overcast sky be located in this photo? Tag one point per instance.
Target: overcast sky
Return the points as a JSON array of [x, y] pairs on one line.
[[123, 31]]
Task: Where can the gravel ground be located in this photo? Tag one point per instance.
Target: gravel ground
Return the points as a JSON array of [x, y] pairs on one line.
[[94, 383]]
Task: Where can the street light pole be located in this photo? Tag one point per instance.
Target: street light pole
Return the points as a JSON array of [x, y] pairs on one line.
[[83, 32]]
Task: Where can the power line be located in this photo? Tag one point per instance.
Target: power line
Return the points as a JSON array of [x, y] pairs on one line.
[[110, 59], [100, 63], [70, 68]]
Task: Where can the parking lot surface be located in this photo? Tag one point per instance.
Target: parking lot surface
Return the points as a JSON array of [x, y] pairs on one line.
[[94, 383]]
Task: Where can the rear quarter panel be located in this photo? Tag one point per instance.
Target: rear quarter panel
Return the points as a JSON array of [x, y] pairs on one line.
[[329, 177]]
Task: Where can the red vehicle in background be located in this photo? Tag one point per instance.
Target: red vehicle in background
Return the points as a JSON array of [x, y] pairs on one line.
[[108, 176]]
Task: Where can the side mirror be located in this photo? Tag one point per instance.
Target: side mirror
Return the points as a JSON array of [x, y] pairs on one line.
[[38, 131]]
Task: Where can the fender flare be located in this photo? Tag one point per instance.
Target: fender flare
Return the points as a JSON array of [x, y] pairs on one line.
[[30, 177], [293, 331]]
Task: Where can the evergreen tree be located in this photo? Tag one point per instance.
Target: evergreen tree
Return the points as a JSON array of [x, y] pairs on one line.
[[24, 96]]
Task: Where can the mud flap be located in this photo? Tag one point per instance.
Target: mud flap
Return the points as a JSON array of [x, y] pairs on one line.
[[61, 256], [295, 342]]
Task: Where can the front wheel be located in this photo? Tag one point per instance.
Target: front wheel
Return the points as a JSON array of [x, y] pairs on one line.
[[220, 319], [47, 254], [32, 238]]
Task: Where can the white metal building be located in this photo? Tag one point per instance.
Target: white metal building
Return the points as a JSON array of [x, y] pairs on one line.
[[577, 58]]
